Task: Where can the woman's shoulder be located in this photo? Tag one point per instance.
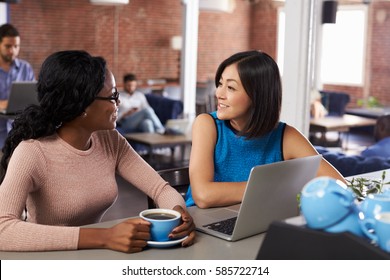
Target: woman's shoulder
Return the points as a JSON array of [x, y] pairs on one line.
[[289, 129], [30, 152], [204, 120], [206, 116], [31, 144]]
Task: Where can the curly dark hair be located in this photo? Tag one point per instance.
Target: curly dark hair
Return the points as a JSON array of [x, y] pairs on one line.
[[68, 82]]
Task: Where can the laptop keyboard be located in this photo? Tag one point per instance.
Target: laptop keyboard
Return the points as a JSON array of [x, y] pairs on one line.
[[224, 226]]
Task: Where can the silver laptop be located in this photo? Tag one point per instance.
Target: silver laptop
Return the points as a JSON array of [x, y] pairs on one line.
[[21, 95], [271, 194]]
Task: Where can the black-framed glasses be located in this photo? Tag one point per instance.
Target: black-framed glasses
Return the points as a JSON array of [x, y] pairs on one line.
[[114, 96]]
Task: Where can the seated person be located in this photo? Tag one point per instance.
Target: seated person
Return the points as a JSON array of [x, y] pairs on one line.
[[317, 109], [135, 113], [382, 137], [245, 131], [60, 160]]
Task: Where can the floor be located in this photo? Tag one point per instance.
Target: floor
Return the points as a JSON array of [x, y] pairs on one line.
[[131, 201]]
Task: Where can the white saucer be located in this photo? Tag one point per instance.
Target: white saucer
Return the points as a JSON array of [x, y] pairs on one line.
[[164, 244]]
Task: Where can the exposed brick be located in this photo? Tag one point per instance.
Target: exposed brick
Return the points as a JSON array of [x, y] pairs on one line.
[[144, 29]]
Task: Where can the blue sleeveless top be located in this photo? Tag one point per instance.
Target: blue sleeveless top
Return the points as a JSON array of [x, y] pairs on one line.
[[234, 156]]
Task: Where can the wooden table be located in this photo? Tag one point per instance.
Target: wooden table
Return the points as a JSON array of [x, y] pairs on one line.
[[338, 124], [372, 113], [206, 247], [154, 141]]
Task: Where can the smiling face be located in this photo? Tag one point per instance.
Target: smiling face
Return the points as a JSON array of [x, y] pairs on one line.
[[103, 113], [233, 101]]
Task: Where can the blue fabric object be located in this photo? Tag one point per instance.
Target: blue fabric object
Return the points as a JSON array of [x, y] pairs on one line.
[[380, 149], [349, 165], [165, 108], [335, 102], [234, 156]]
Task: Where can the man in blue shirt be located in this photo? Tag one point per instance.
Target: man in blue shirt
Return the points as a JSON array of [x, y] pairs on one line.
[[382, 137], [11, 69]]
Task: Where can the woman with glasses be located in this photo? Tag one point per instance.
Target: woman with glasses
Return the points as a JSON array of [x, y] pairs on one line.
[[60, 161]]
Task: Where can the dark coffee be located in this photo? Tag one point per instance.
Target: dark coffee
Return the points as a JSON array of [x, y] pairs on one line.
[[160, 216]]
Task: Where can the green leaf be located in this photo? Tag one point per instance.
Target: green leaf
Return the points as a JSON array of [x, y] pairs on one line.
[[364, 186]]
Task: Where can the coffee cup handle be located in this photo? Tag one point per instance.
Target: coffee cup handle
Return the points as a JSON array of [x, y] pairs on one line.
[[367, 226], [345, 195]]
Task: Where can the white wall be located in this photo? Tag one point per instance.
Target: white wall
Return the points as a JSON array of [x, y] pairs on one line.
[[189, 56], [299, 61], [3, 13]]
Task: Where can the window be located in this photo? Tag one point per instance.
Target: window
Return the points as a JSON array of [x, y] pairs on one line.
[[343, 47]]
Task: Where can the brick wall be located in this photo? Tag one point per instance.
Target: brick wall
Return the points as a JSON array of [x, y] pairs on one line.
[[144, 28], [379, 85], [264, 28]]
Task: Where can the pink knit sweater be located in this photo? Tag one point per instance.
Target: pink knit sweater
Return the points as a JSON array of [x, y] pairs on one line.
[[64, 188]]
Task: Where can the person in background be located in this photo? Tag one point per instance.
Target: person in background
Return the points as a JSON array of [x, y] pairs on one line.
[[317, 109], [61, 159], [245, 131], [11, 69], [135, 113], [382, 137]]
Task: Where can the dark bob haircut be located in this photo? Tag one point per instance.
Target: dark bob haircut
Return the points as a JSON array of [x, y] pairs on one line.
[[260, 77]]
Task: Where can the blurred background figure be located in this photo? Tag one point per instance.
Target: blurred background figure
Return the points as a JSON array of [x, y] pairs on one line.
[[317, 109], [382, 137], [135, 113], [11, 69]]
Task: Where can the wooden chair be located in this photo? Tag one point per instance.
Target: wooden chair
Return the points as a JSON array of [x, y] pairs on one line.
[[178, 178]]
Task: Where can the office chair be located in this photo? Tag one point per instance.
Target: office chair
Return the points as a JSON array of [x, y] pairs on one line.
[[178, 178]]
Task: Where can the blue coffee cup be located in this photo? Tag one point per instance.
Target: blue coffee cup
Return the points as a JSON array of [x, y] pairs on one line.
[[378, 230], [374, 204], [163, 221], [326, 201]]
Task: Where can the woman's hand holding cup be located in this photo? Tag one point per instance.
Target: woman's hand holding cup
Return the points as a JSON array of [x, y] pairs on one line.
[[167, 224], [187, 228], [129, 236]]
